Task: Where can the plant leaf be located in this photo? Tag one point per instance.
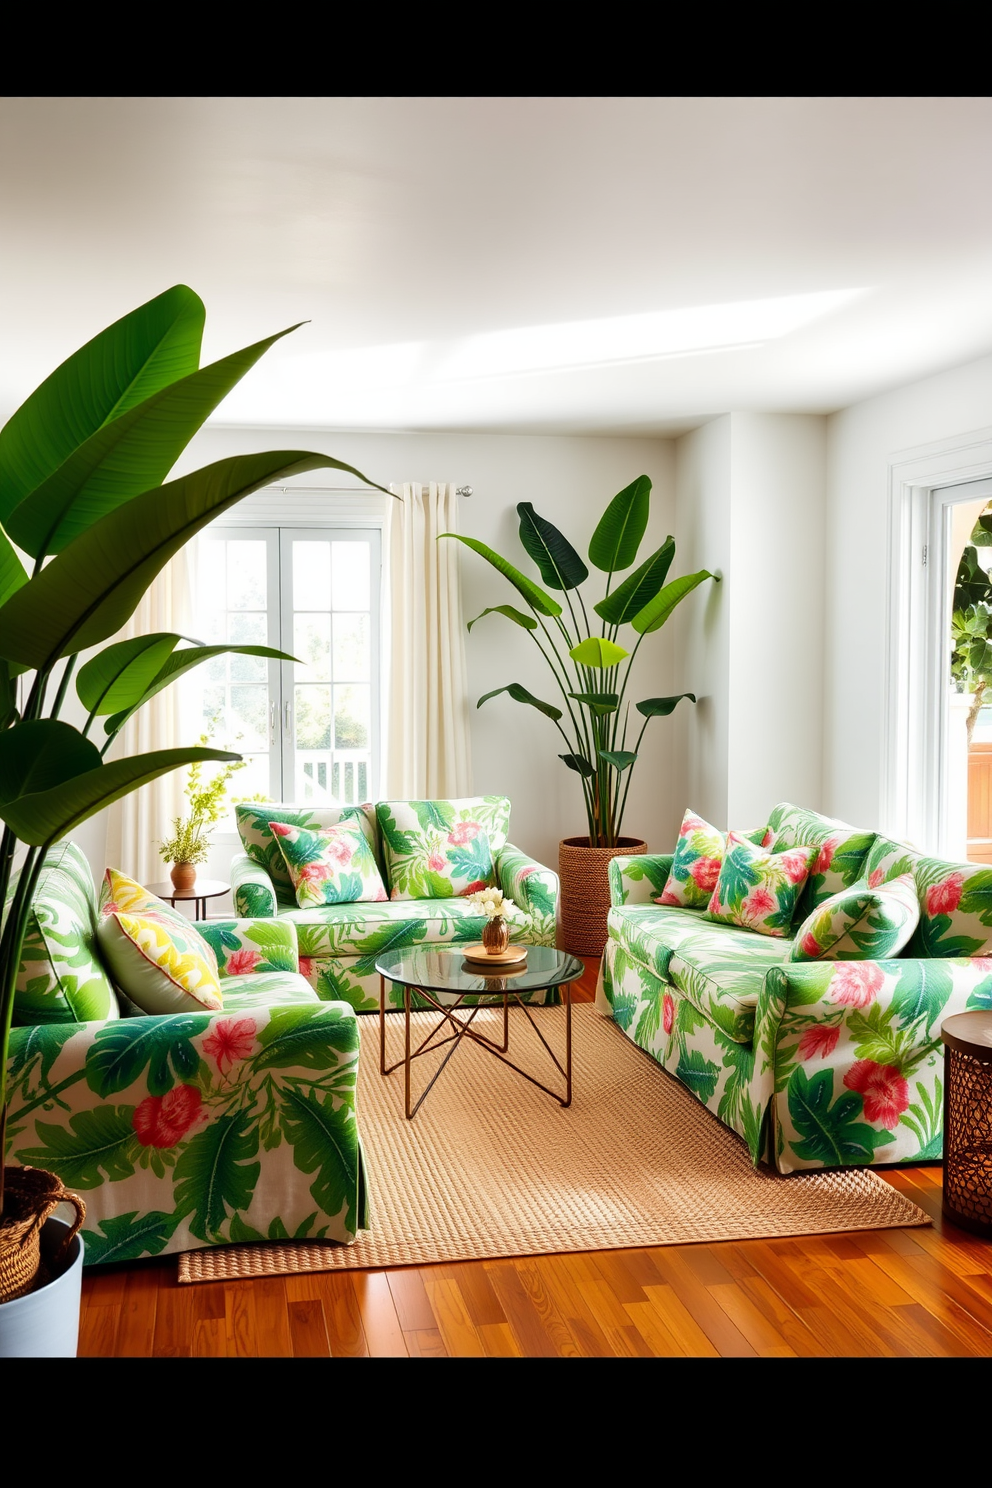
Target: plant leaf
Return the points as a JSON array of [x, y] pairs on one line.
[[639, 588], [41, 817], [559, 563], [41, 754], [521, 695], [600, 703], [136, 356], [618, 535], [12, 574], [517, 616], [657, 610], [594, 651], [127, 456], [579, 763], [535, 596], [661, 707], [118, 676], [91, 589], [621, 759], [184, 661]]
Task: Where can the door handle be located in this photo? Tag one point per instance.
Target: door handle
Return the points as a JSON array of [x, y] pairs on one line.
[[287, 721]]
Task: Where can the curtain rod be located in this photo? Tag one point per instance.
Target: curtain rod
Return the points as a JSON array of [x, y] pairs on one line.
[[355, 490]]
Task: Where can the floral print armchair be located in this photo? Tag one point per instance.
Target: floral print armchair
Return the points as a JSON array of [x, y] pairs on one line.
[[199, 1128]]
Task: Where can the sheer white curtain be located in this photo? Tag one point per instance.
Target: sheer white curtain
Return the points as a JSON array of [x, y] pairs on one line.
[[139, 822], [426, 751]]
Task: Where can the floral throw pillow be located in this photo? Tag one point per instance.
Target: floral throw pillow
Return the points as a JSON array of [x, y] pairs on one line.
[[758, 889], [329, 865], [442, 849], [861, 923], [156, 955], [697, 863]]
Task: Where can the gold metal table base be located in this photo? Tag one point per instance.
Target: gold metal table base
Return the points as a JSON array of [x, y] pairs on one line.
[[461, 1029]]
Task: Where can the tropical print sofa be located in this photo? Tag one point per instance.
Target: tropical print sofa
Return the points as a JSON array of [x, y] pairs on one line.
[[304, 866], [810, 1026], [191, 1129]]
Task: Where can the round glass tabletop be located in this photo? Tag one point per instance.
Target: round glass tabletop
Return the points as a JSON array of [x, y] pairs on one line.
[[445, 969]]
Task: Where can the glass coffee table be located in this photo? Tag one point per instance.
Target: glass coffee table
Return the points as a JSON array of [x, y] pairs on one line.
[[444, 979]]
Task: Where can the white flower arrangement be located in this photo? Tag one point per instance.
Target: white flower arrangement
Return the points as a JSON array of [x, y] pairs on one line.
[[493, 903]]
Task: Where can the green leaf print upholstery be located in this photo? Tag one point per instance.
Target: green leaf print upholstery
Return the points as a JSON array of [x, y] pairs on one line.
[[441, 849], [338, 943], [62, 977], [813, 1063], [197, 1128]]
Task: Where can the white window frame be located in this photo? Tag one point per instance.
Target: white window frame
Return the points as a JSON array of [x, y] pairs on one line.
[[313, 509], [922, 487]]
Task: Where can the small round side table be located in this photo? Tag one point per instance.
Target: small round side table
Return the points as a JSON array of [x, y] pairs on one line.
[[967, 1201], [202, 890]]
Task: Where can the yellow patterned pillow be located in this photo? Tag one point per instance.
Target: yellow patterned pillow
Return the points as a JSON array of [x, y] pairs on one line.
[[157, 957]]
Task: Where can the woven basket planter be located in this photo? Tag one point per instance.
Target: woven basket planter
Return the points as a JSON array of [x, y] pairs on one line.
[[30, 1197], [585, 891]]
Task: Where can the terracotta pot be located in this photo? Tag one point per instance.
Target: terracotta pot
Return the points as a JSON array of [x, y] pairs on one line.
[[585, 891], [496, 935], [183, 877]]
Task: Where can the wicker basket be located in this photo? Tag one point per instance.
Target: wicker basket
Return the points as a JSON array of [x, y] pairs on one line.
[[585, 891], [30, 1195]]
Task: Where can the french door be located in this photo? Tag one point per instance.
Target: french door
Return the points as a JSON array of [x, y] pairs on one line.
[[308, 728]]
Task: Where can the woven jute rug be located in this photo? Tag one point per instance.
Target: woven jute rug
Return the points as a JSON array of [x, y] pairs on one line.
[[490, 1166]]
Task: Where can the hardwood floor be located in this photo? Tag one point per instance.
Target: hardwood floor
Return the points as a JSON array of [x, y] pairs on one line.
[[913, 1293]]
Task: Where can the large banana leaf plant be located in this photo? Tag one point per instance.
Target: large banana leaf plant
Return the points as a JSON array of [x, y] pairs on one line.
[[592, 671], [86, 523]]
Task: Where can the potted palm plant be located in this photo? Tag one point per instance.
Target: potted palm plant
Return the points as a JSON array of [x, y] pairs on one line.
[[87, 520], [591, 672]]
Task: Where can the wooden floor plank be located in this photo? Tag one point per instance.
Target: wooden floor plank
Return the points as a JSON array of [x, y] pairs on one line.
[[498, 1341], [380, 1321], [136, 1331], [711, 1319], [461, 1337], [308, 1329], [242, 1338], [520, 1311], [98, 1331], [343, 1317]]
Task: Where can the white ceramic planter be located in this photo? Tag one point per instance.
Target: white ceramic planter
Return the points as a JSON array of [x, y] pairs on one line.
[[45, 1324]]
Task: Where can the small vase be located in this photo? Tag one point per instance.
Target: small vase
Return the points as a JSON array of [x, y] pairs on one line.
[[183, 877], [496, 935]]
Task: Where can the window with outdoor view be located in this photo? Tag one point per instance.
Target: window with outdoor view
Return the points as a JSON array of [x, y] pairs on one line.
[[308, 727]]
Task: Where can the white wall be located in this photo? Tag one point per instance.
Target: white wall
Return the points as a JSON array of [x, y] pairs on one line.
[[750, 502], [570, 480], [862, 441]]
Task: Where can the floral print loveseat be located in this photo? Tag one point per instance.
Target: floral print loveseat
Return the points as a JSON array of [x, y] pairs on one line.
[[191, 1129], [429, 856], [815, 1059]]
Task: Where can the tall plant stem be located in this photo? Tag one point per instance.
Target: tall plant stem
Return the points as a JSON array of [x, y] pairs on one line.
[[63, 686]]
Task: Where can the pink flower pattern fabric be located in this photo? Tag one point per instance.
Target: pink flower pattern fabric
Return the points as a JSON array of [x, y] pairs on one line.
[[861, 923], [331, 865], [758, 889], [697, 862]]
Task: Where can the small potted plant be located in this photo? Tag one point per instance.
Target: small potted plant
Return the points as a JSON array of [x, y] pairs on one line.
[[190, 840]]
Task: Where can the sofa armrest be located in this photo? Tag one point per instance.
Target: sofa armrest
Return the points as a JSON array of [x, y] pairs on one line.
[[252, 889], [243, 947], [637, 879], [850, 1058], [194, 1129], [532, 887]]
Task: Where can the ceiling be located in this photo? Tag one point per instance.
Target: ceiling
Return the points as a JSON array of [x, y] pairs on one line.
[[594, 265]]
